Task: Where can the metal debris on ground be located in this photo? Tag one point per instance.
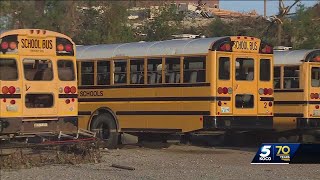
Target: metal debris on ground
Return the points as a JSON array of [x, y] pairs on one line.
[[123, 167], [27, 157]]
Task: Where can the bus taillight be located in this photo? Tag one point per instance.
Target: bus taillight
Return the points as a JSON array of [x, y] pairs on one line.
[[73, 89], [5, 90], [12, 102], [224, 90], [12, 90], [314, 95], [67, 101], [67, 89], [317, 106], [265, 91]]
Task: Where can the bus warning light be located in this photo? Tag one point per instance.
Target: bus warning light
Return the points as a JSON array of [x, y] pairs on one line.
[[13, 45], [68, 47], [4, 45], [60, 47]]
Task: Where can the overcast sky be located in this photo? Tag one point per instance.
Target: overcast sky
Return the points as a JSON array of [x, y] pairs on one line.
[[248, 5]]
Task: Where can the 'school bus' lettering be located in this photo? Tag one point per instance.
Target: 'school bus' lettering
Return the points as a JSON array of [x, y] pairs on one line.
[[36, 43], [246, 45]]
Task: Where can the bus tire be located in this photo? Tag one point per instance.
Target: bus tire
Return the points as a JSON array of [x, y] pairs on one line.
[[106, 129]]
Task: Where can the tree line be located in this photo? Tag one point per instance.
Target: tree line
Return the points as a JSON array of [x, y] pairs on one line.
[[97, 22]]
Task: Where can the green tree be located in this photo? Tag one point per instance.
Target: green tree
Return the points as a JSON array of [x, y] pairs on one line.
[[218, 28], [166, 23], [305, 28], [103, 23]]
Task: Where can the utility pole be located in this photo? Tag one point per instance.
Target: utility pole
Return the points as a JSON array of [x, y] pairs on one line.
[[279, 31], [265, 9]]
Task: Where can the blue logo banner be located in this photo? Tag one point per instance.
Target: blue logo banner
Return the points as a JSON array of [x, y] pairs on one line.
[[276, 153]]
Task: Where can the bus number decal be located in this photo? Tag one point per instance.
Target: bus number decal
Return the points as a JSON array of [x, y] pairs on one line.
[[265, 104]]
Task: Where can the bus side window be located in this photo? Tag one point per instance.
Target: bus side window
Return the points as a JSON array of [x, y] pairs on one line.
[[120, 71], [154, 71], [291, 77], [194, 69], [103, 73], [277, 79], [224, 68], [172, 70], [87, 73], [136, 71], [8, 69], [315, 76]]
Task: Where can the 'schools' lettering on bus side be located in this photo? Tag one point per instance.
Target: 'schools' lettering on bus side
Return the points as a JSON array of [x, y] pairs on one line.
[[91, 93], [36, 44]]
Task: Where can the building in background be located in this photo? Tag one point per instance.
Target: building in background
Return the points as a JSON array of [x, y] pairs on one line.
[[209, 3]]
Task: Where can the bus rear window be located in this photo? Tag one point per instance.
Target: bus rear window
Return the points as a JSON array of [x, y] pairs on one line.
[[66, 70], [265, 69], [39, 100], [8, 70], [37, 70]]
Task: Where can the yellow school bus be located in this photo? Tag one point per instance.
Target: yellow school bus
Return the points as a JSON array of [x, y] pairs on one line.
[[38, 83], [175, 86], [296, 87]]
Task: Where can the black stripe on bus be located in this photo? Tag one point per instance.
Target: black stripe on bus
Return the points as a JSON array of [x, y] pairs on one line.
[[68, 95], [210, 98], [144, 86], [288, 90], [266, 98], [151, 130], [296, 102], [84, 113], [10, 96], [288, 115], [163, 113]]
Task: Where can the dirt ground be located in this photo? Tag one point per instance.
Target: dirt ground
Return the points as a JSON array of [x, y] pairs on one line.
[[175, 162]]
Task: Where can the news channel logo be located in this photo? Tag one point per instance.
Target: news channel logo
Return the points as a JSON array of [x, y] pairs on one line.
[[275, 153]]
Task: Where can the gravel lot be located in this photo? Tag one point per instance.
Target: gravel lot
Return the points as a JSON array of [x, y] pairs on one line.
[[176, 162]]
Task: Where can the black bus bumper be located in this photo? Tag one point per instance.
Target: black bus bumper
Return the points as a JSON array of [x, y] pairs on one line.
[[308, 123], [238, 122], [67, 124]]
